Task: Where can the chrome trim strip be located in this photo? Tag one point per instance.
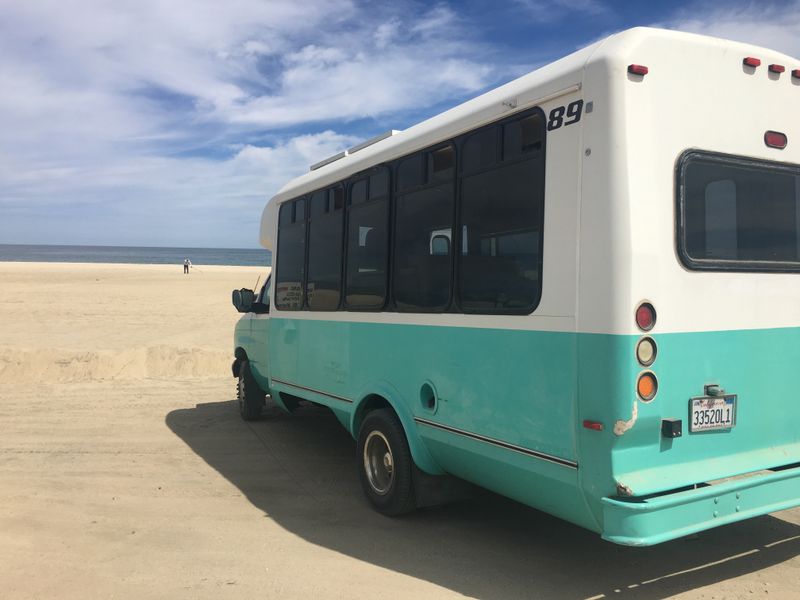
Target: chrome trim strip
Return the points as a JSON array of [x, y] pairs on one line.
[[557, 94], [501, 444], [308, 389]]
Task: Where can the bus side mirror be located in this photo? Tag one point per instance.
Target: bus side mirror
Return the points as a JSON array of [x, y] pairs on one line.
[[243, 300]]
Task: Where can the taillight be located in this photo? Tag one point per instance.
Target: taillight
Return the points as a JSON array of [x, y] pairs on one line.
[[646, 351], [647, 386], [775, 139], [645, 316]]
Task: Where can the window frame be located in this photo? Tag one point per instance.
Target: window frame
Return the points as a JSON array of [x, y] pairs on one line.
[[707, 264]]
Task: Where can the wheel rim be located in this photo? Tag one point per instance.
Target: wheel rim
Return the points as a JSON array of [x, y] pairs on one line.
[[378, 463]]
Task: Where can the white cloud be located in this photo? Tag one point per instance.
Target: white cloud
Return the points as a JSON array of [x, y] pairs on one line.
[[158, 200], [115, 117], [120, 119], [387, 32], [401, 64], [547, 11], [357, 85], [773, 26]]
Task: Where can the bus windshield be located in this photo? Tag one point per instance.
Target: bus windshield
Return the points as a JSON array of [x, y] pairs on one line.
[[738, 214]]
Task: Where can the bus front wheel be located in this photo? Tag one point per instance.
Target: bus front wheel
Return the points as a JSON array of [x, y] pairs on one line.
[[249, 396], [385, 463]]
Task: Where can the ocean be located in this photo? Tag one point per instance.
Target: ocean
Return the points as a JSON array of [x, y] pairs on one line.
[[135, 255]]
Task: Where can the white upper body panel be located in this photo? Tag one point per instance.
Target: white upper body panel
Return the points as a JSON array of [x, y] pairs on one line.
[[697, 95], [610, 197]]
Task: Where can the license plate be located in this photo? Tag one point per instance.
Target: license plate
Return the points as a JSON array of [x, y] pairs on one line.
[[712, 412]]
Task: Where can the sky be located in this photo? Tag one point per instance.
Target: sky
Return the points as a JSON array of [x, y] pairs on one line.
[[171, 122]]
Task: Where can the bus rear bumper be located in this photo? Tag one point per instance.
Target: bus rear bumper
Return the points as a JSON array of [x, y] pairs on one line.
[[655, 519]]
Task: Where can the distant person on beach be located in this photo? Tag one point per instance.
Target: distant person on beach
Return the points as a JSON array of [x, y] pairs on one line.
[[186, 265]]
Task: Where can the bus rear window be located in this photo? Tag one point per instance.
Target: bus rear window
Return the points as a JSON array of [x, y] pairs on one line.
[[738, 214]]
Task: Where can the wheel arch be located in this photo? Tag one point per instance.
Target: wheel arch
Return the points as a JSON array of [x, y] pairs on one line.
[[240, 355], [383, 395]]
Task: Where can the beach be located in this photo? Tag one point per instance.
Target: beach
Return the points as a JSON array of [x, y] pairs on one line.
[[95, 322], [126, 472]]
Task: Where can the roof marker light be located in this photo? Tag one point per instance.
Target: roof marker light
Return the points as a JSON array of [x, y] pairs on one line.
[[776, 68], [775, 139], [637, 70], [796, 73], [751, 61]]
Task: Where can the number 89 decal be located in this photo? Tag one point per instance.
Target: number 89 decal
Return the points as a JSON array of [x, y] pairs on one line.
[[565, 115]]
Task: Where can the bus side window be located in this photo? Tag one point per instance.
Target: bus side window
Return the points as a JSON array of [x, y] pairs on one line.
[[289, 272], [423, 225], [367, 242], [325, 231], [501, 214]]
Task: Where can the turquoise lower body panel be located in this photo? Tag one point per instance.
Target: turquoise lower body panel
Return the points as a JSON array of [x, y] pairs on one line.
[[549, 486], [517, 386], [631, 459], [504, 409], [655, 520]]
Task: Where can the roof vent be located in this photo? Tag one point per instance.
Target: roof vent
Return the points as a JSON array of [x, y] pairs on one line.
[[328, 160], [354, 149], [375, 140]]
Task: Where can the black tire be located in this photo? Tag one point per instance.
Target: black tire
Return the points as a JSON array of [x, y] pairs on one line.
[[387, 481], [249, 396]]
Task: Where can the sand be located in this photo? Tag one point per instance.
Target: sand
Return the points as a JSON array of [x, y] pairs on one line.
[[82, 322], [126, 472]]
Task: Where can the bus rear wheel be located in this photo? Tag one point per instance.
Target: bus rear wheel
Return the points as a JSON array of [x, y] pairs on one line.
[[249, 397], [385, 464]]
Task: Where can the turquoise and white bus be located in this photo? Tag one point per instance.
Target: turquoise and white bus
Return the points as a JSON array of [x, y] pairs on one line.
[[580, 290]]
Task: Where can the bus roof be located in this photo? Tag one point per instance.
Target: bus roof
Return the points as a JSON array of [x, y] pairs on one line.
[[550, 81]]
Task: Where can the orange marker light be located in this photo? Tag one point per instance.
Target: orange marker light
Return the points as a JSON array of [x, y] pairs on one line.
[[647, 386]]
